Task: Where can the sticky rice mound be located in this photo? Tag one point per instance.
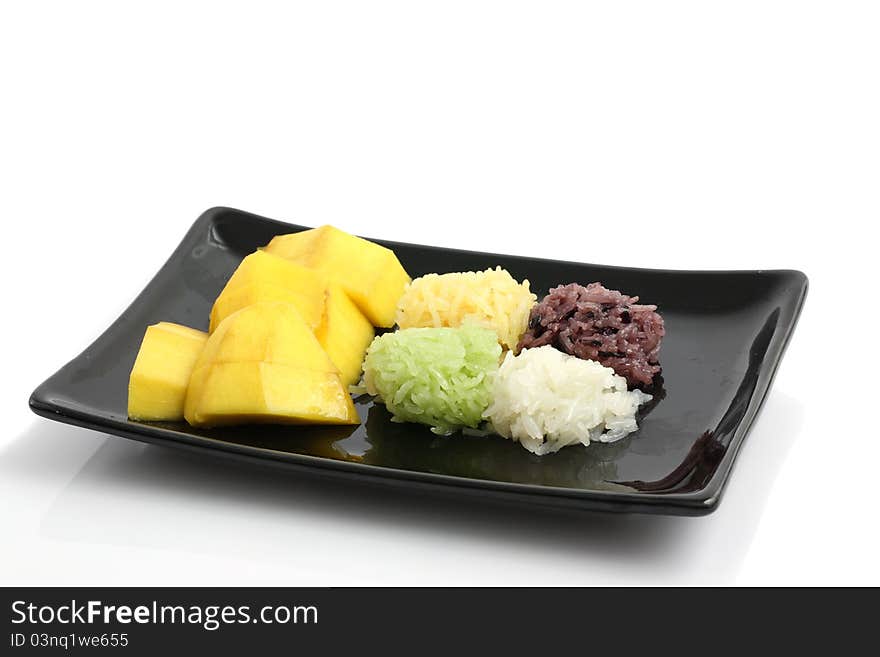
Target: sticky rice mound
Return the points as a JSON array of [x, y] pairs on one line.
[[545, 400], [436, 376], [490, 298], [595, 323]]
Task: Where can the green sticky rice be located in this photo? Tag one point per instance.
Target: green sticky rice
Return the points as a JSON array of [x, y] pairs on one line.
[[436, 376]]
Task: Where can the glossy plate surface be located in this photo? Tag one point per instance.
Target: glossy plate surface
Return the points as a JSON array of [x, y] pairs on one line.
[[725, 335]]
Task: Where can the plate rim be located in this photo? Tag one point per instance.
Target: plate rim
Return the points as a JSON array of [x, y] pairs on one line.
[[698, 502]]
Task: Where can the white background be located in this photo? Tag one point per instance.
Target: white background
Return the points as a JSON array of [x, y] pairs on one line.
[[662, 134]]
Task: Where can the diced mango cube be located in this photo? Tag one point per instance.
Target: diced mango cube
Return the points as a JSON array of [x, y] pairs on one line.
[[266, 332], [371, 274], [345, 334], [263, 277], [252, 392], [158, 382], [264, 364]]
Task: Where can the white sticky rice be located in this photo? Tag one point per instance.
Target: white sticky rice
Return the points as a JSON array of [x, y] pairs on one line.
[[545, 400]]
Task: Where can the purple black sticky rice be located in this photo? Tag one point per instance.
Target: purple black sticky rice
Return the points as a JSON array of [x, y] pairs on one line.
[[596, 323]]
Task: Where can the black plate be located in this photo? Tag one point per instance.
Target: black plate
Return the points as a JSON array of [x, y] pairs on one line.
[[726, 332]]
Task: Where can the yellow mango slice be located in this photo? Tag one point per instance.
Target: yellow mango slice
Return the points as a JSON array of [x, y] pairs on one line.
[[235, 393], [158, 382], [309, 305], [345, 334], [264, 364], [266, 332], [371, 274], [263, 277]]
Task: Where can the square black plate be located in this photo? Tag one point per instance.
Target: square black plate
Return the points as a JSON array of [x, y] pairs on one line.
[[726, 332]]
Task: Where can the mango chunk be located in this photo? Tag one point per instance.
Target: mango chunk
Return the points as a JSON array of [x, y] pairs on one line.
[[266, 332], [263, 277], [345, 334], [235, 393], [371, 274], [264, 364], [158, 382]]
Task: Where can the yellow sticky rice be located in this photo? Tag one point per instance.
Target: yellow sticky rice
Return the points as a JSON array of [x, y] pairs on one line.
[[491, 298]]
